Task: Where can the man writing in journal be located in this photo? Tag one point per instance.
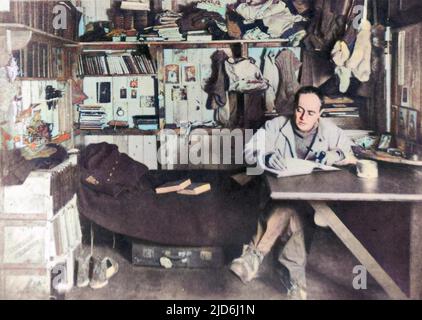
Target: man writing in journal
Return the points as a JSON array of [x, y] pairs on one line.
[[302, 136]]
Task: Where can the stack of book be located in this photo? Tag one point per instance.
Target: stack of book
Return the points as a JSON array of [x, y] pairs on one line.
[[340, 107], [150, 36], [200, 35], [341, 111], [102, 64], [169, 32], [146, 122], [92, 117]]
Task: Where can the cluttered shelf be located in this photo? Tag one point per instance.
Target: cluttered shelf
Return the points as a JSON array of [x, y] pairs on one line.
[[115, 131], [111, 45], [120, 75]]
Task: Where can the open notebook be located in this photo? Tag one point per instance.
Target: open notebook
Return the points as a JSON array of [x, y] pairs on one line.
[[298, 167]]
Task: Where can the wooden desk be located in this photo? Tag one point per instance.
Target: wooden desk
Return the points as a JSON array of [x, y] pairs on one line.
[[398, 189]]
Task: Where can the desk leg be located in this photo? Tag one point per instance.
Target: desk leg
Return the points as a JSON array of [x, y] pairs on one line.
[[326, 217], [416, 252]]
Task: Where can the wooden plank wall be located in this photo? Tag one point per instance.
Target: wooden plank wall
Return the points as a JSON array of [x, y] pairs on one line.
[[412, 75]]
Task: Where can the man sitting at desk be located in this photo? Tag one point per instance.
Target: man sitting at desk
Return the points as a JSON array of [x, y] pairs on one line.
[[304, 136]]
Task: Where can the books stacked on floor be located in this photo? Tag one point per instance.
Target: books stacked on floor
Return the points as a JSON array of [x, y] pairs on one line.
[[341, 110], [146, 123], [200, 35], [92, 117], [103, 64]]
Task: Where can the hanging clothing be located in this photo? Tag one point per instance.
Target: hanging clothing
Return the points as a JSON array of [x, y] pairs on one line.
[[288, 65], [245, 76], [272, 74], [217, 88], [325, 28], [358, 63], [218, 83]]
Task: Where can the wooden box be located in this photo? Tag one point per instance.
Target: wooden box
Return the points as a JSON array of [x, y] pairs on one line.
[[39, 232]]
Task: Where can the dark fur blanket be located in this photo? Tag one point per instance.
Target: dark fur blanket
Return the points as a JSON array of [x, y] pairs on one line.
[[225, 216]]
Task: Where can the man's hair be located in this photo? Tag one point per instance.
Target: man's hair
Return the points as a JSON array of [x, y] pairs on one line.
[[309, 90]]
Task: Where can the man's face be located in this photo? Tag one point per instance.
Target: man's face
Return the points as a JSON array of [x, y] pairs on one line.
[[307, 112]]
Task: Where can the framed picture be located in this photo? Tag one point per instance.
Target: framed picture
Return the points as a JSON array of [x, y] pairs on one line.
[[134, 83], [402, 129], [412, 125], [134, 93], [405, 99], [189, 73], [394, 119], [172, 73], [123, 93], [179, 93], [385, 141]]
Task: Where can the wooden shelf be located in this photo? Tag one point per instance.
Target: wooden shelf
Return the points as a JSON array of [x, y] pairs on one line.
[[119, 75], [61, 79], [35, 32], [110, 45]]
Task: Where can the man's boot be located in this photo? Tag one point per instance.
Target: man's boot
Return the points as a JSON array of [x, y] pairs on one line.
[[247, 265]]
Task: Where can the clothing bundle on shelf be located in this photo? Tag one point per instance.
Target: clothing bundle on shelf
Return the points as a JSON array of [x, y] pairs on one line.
[[271, 19]]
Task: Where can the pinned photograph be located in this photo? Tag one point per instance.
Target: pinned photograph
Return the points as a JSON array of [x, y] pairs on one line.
[[403, 123], [179, 93], [394, 119], [123, 93], [134, 94], [134, 83], [412, 125], [172, 73], [405, 97], [147, 102], [189, 74], [385, 141]]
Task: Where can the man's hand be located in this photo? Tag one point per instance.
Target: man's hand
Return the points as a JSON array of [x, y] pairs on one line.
[[330, 157], [275, 161]]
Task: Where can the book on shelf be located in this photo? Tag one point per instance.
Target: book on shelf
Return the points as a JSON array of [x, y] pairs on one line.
[[137, 5], [195, 189], [173, 186], [298, 167], [114, 64], [40, 60], [341, 109], [341, 115], [199, 36]]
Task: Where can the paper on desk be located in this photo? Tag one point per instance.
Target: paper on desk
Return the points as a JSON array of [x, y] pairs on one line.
[[298, 167]]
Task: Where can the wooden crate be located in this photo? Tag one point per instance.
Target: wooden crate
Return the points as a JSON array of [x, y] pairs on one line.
[[43, 193], [39, 233]]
